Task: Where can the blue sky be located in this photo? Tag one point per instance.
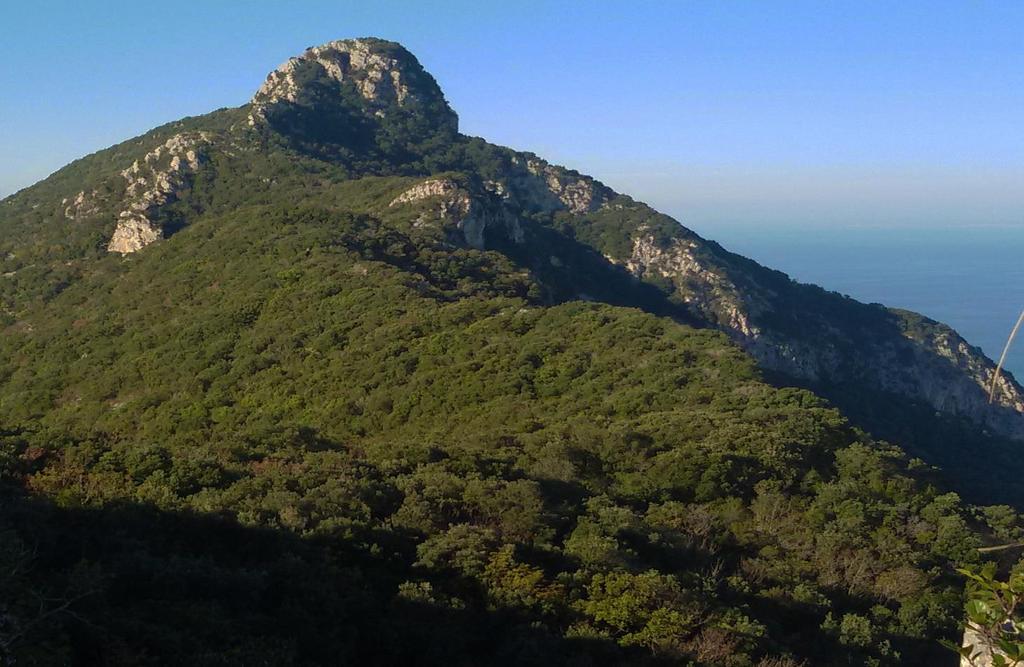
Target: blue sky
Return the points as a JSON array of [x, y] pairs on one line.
[[720, 113]]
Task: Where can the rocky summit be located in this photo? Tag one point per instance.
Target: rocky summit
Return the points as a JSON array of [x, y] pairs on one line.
[[319, 379], [354, 97], [387, 78]]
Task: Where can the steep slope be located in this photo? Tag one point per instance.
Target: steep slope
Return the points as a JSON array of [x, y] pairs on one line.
[[320, 380], [366, 107], [454, 472]]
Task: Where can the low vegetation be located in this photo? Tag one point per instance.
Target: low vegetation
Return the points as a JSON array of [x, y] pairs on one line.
[[295, 437]]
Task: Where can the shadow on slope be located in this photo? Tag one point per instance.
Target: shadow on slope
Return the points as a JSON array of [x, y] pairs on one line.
[[982, 467], [132, 584], [882, 369]]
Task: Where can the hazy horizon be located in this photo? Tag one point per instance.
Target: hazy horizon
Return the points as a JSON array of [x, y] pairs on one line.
[[720, 117]]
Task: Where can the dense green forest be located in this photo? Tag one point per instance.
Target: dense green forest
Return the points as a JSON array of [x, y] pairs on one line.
[[315, 424], [301, 436]]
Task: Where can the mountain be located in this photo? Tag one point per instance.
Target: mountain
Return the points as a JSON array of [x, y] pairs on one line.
[[320, 379]]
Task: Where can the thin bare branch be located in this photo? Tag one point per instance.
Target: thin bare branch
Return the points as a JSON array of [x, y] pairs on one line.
[[1002, 357]]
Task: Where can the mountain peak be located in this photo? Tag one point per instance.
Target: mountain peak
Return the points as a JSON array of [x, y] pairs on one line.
[[352, 80]]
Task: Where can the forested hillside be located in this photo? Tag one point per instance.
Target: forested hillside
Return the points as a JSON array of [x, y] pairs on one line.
[[394, 427], [304, 383]]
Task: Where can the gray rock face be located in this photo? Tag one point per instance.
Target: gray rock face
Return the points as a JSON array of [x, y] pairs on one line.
[[83, 205], [472, 216], [534, 185], [134, 232], [383, 73], [708, 291], [152, 183], [929, 363], [444, 189], [549, 188], [978, 657]]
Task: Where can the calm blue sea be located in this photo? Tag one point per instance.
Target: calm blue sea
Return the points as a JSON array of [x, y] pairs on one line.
[[969, 278]]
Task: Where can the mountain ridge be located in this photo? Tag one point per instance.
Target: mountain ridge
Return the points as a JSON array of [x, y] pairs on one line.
[[386, 393], [371, 87]]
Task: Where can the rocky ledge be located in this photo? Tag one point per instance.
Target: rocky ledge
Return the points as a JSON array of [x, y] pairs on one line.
[[153, 182], [473, 216], [383, 73], [535, 184], [898, 352]]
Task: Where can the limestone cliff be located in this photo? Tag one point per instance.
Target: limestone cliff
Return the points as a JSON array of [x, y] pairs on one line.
[[151, 183], [353, 97], [473, 216], [821, 337], [386, 77]]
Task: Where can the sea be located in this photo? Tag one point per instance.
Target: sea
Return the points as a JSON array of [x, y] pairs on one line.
[[971, 278]]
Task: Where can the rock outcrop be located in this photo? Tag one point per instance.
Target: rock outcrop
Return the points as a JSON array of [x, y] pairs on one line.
[[795, 329], [474, 217], [539, 182], [82, 205], [152, 183], [445, 189], [386, 77], [709, 293]]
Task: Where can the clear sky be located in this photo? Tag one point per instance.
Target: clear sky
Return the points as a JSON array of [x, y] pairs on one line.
[[718, 112]]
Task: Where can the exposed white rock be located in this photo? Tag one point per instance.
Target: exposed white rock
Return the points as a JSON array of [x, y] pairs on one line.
[[380, 78], [577, 193], [497, 188], [535, 184], [938, 367], [485, 219], [133, 233], [434, 187], [468, 214], [982, 654], [381, 81], [153, 182], [280, 84], [709, 292], [82, 206]]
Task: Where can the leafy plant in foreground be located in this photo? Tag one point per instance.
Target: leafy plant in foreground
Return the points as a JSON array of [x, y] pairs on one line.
[[993, 636]]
